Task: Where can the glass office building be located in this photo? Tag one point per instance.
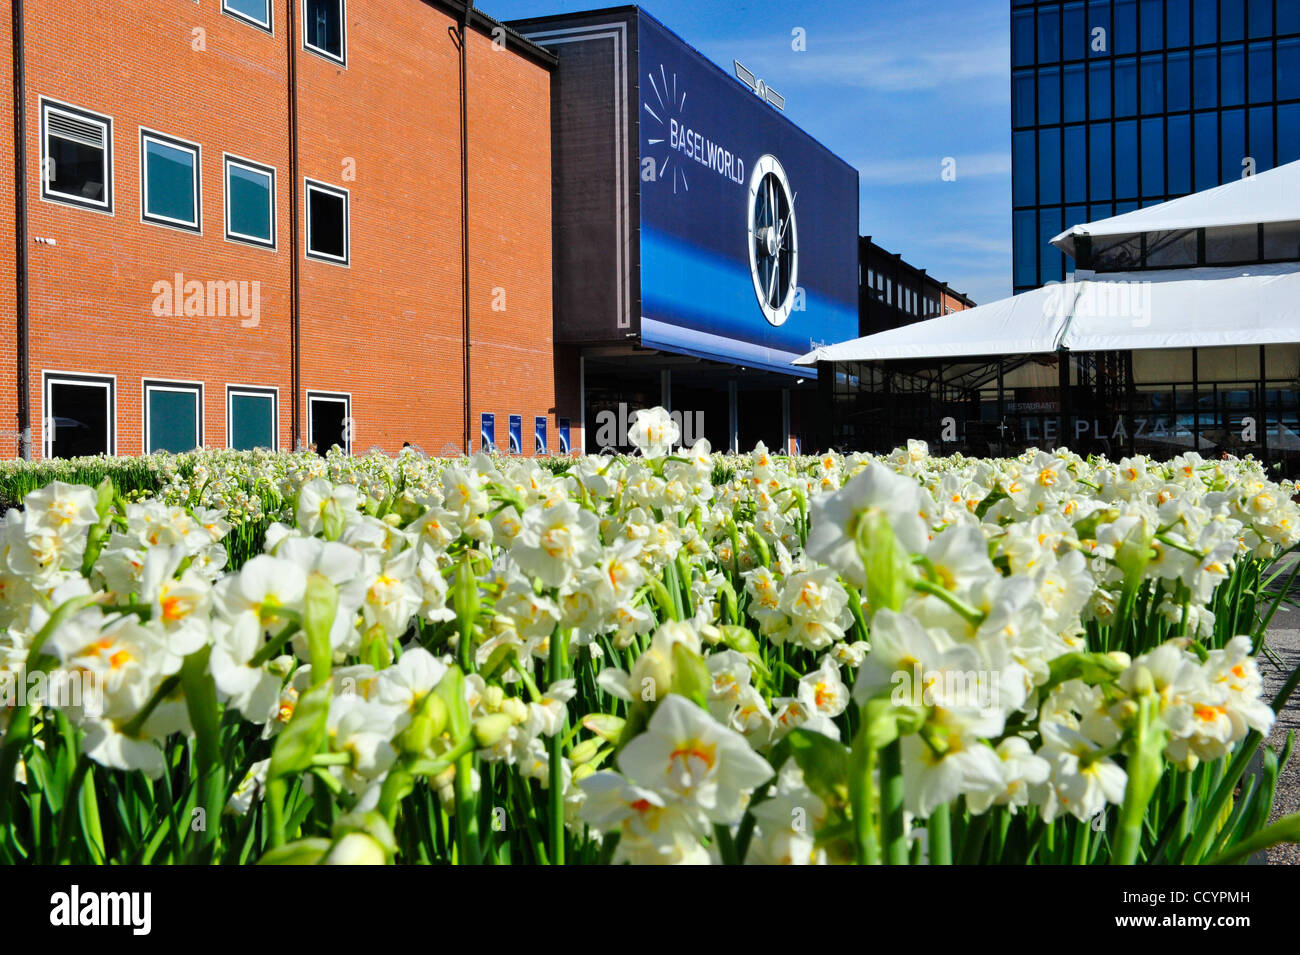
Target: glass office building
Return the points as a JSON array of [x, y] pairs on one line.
[[1119, 104]]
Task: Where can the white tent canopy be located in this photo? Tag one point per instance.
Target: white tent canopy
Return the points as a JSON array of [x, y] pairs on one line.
[[1175, 308], [1272, 196]]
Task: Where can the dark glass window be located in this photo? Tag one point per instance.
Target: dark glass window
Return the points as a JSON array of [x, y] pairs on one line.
[[1049, 36], [322, 27], [327, 222], [1205, 21], [1076, 94], [1153, 85], [1126, 159], [1288, 69], [1153, 157], [1022, 99], [1179, 134], [1236, 243], [1022, 186], [1232, 76], [1126, 26], [170, 180], [1207, 151], [1206, 90], [1178, 82], [1022, 38], [1074, 32], [1261, 73], [254, 11], [78, 416], [1232, 20], [1126, 87], [1153, 24], [1260, 17], [1049, 226], [77, 156], [1099, 19], [1099, 90], [328, 421], [1049, 165], [250, 202], [1076, 164], [1024, 255], [251, 416], [1049, 96], [1288, 133], [173, 417], [1232, 143], [1288, 17], [1282, 240], [1261, 137], [1178, 20], [1099, 156]]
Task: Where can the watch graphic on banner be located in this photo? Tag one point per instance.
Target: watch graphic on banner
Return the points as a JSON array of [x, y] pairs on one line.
[[773, 240]]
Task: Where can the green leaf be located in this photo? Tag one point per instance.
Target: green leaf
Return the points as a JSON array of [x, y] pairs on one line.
[[302, 852], [319, 609], [824, 761], [1286, 829], [691, 677], [304, 736]]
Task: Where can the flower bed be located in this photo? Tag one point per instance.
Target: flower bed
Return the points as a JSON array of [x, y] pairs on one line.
[[673, 657]]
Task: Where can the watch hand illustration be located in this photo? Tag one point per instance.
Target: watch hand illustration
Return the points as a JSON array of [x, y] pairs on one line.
[[780, 239]]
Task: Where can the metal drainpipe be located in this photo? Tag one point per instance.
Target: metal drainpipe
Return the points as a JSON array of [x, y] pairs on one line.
[[464, 205], [20, 232], [295, 413]]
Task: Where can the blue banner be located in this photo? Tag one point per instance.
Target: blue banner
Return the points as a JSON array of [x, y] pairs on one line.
[[516, 434], [562, 434], [488, 431], [539, 435], [749, 227]]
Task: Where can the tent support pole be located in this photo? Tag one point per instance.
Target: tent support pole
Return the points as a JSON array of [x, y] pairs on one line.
[[1263, 407], [1196, 401], [1063, 367], [1002, 434]]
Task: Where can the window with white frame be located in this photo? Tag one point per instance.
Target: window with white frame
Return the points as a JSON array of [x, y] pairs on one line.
[[173, 416], [250, 201], [327, 222], [251, 414], [79, 415], [324, 29], [169, 181], [329, 420], [76, 156], [256, 12]]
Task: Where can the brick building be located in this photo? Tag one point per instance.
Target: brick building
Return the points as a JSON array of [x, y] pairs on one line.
[[274, 223], [892, 293]]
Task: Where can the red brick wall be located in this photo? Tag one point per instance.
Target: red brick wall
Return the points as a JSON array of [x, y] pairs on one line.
[[386, 327], [8, 258], [513, 359]]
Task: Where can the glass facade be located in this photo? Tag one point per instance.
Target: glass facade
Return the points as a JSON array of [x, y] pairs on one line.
[[1119, 104]]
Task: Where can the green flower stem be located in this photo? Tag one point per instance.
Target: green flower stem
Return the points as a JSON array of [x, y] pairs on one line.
[[862, 771], [940, 831], [71, 801], [968, 613], [271, 650], [557, 666], [891, 804], [205, 716]]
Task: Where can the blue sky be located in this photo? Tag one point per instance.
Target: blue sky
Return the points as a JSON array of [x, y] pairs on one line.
[[892, 86]]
